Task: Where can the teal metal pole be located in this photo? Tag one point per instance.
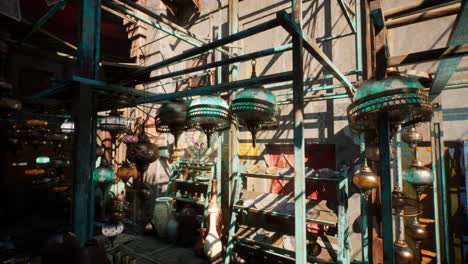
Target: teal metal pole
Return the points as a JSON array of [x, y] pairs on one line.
[[219, 88], [218, 43], [83, 108], [218, 63], [50, 13], [364, 197], [386, 188], [439, 185], [399, 180], [308, 81], [358, 42], [326, 87], [299, 145]]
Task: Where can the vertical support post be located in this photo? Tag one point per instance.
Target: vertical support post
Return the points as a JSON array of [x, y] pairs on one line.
[[400, 222], [92, 184], [386, 188], [343, 226], [358, 38], [364, 220], [439, 185], [83, 108], [299, 146]]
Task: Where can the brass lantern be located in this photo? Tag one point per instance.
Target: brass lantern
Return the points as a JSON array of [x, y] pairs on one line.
[[254, 107], [403, 253], [412, 137], [366, 180], [114, 123], [419, 176]]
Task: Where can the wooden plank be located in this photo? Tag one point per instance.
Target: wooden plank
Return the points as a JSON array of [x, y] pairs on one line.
[[428, 55], [424, 16], [380, 39]]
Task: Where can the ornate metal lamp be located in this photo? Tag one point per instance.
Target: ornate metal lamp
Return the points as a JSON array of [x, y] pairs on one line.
[[142, 153], [209, 113], [403, 253], [419, 176], [403, 205], [172, 118], [403, 98], [67, 127], [418, 233], [412, 137], [114, 123], [366, 180], [104, 173], [254, 107]]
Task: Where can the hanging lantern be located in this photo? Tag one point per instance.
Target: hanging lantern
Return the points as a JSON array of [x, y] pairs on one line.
[[412, 137], [254, 106], [126, 171], [416, 231], [42, 160], [129, 138], [142, 153], [419, 176], [104, 173], [172, 118], [209, 113], [68, 127], [403, 98], [365, 179], [403, 253], [113, 123]]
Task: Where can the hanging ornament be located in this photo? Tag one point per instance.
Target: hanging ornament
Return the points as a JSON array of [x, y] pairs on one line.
[[419, 176], [412, 137], [366, 180], [67, 127], [418, 233], [172, 118], [113, 123], [129, 138], [142, 153], [404, 99], [403, 253], [254, 107], [209, 113], [126, 171], [104, 173]]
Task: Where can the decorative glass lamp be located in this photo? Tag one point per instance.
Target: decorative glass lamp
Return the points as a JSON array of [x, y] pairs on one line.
[[67, 127], [42, 160], [403, 98], [209, 113], [419, 176], [114, 123], [172, 118], [254, 107], [366, 180], [104, 173], [412, 137]]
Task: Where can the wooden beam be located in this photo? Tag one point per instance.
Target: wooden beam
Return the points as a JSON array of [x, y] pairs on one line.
[[428, 55], [416, 6], [294, 29], [447, 67], [380, 41], [424, 16]]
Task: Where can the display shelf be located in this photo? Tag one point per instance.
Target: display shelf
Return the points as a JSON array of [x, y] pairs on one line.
[[288, 177], [326, 217], [188, 200], [192, 182], [273, 245]]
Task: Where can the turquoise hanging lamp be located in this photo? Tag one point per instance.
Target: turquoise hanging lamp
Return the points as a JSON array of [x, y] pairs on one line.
[[209, 113], [403, 98], [104, 173], [254, 107]]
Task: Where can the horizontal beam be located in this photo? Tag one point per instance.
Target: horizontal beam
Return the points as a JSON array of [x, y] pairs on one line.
[[49, 92], [293, 28], [447, 68], [241, 58], [219, 88], [417, 6], [213, 45], [169, 23], [112, 87], [423, 16], [50, 13], [428, 55]]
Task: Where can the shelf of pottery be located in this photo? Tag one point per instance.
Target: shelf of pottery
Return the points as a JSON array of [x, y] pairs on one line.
[[265, 221], [190, 183]]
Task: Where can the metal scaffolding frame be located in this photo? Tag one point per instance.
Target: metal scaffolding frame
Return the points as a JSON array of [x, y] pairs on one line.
[[89, 57]]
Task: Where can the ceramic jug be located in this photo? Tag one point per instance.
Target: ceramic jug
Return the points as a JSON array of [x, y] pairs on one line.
[[162, 213]]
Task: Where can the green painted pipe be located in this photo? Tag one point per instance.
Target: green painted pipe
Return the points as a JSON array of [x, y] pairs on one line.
[[50, 13]]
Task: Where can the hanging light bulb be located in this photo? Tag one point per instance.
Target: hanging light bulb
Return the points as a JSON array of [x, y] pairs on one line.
[[254, 107], [209, 113]]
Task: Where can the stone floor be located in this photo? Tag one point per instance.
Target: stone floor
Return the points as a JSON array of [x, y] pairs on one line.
[[152, 250]]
